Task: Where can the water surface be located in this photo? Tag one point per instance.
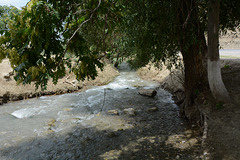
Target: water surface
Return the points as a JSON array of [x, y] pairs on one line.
[[78, 125]]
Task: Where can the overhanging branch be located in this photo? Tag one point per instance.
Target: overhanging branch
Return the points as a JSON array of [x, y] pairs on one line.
[[80, 26]]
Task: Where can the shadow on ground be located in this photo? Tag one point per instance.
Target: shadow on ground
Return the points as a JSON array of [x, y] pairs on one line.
[[151, 135]]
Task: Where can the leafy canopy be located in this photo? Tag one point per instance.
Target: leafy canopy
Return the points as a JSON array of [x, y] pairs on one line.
[[48, 35], [38, 40]]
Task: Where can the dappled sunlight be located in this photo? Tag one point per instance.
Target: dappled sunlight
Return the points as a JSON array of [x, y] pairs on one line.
[[134, 146], [113, 154], [98, 121], [162, 146], [106, 122], [182, 141]]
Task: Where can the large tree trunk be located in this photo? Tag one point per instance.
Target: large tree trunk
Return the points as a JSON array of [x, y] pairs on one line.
[[216, 84], [195, 78], [193, 49]]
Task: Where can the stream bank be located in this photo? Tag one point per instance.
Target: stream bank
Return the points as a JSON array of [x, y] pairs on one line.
[[10, 91], [220, 122]]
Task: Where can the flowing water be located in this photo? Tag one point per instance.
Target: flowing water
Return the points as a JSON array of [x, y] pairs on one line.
[[79, 126]]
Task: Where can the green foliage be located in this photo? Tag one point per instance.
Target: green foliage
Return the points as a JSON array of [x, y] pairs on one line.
[[152, 32], [48, 35], [229, 15], [219, 105], [226, 66], [37, 39], [6, 15], [197, 92]]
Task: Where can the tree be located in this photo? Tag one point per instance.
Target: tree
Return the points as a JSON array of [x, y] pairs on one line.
[[216, 84], [193, 49], [6, 14], [159, 30], [49, 34], [39, 39]]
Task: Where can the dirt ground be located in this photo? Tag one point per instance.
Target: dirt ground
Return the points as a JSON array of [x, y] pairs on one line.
[[221, 132], [231, 40], [221, 128]]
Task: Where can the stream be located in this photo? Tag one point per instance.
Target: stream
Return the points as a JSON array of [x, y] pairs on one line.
[[104, 122]]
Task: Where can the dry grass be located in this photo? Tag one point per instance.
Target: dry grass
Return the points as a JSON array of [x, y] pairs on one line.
[[172, 80], [64, 83]]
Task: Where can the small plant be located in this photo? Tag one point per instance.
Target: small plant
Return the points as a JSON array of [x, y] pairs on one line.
[[219, 105], [226, 66], [197, 92], [205, 102]]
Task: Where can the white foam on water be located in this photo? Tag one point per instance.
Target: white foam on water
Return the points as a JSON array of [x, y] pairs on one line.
[[95, 99], [29, 112], [118, 86]]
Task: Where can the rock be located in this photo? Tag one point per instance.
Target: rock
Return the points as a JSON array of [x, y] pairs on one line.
[[111, 134], [179, 97], [51, 123], [193, 141], [130, 111], [205, 102], [49, 131], [152, 109], [120, 129], [7, 77], [148, 92], [228, 105], [14, 98], [11, 73], [113, 112], [6, 97], [20, 97], [74, 82]]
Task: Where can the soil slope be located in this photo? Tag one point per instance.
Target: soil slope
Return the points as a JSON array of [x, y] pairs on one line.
[[10, 91]]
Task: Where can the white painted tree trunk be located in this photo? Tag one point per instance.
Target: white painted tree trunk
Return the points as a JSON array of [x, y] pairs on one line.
[[216, 84]]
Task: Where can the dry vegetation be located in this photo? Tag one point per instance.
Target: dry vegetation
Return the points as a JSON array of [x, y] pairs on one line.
[[65, 84]]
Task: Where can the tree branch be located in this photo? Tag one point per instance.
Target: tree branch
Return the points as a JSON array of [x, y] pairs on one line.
[[81, 26], [188, 16]]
